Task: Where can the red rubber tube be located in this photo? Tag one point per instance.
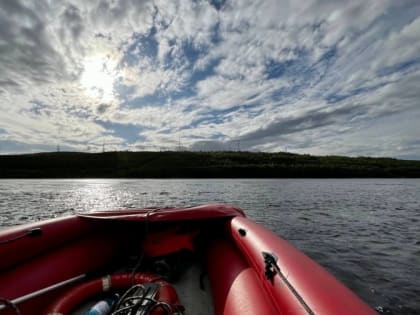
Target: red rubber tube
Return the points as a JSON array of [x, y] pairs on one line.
[[75, 296]]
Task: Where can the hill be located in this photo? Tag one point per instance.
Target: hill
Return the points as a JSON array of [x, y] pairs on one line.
[[199, 165]]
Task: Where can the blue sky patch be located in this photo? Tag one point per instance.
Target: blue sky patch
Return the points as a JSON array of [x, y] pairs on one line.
[[401, 67], [130, 133], [142, 45]]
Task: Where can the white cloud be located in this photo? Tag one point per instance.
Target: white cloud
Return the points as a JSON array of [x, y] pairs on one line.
[[213, 70], [400, 47], [186, 21], [147, 78]]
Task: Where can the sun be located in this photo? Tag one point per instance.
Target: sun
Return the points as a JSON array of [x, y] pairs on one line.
[[98, 77]]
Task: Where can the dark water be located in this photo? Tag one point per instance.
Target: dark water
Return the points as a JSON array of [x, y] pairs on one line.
[[365, 231]]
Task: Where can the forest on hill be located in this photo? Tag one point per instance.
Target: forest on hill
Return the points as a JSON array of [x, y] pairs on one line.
[[187, 164]]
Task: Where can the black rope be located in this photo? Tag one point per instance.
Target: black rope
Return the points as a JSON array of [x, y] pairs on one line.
[[271, 262], [202, 276], [145, 301], [296, 294], [136, 267], [7, 303], [141, 256]]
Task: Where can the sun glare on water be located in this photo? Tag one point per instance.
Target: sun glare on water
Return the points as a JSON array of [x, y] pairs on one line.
[[98, 77]]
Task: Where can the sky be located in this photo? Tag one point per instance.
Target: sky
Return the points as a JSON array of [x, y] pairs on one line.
[[320, 77]]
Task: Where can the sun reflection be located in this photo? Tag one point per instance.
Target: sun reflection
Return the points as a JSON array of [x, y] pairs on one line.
[[98, 77], [97, 194]]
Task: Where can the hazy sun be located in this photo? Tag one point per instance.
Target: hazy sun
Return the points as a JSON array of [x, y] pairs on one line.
[[98, 77]]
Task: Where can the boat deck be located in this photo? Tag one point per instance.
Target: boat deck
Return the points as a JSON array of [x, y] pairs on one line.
[[196, 301]]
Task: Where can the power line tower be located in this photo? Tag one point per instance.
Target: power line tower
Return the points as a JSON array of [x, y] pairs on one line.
[[238, 144]]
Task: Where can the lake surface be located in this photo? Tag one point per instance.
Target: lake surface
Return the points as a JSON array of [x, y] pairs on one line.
[[365, 231]]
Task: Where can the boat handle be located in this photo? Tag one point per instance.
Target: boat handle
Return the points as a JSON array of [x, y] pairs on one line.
[[44, 290], [28, 233]]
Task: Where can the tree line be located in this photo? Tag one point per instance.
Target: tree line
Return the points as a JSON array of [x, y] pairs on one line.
[[200, 165]]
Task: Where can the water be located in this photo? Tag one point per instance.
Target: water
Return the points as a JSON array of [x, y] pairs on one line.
[[365, 231]]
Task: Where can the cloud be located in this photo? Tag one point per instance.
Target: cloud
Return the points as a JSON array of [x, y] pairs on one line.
[[313, 76], [400, 47], [26, 53]]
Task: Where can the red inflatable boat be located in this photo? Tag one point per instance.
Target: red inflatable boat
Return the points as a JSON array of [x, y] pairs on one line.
[[201, 260]]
